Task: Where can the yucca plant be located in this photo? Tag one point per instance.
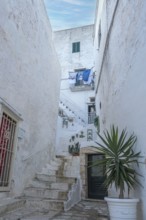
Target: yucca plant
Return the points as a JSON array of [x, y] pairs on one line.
[[119, 159]]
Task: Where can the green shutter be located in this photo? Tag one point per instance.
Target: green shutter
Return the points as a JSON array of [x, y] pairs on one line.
[[75, 47]]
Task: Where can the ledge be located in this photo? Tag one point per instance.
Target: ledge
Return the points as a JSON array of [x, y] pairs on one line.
[[81, 88], [10, 109]]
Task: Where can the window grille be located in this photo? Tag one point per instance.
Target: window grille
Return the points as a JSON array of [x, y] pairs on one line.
[[7, 135], [91, 113]]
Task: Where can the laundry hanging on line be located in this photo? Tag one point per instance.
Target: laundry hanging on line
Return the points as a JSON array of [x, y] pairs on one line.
[[86, 76], [72, 78]]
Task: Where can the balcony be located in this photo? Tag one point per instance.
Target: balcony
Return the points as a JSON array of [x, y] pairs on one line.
[[80, 86], [81, 80], [91, 117]]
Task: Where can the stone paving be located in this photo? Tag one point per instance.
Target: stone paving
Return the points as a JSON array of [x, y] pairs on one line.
[[85, 210]]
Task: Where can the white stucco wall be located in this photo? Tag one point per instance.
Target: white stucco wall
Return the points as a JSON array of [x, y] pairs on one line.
[[122, 88], [63, 42], [29, 82], [69, 62]]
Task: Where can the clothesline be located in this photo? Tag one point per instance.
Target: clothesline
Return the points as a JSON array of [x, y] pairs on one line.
[[84, 76]]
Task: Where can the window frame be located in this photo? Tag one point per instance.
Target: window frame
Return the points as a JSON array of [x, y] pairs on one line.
[[76, 47], [8, 110]]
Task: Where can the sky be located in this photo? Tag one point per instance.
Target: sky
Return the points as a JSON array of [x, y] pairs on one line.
[[65, 14]]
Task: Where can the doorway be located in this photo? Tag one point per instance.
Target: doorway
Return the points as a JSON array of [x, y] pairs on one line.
[[95, 174], [91, 113]]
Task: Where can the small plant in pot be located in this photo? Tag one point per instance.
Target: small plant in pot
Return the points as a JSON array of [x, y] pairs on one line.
[[74, 146], [119, 162]]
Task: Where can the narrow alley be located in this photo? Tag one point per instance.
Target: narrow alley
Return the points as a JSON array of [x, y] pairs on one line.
[[70, 96]]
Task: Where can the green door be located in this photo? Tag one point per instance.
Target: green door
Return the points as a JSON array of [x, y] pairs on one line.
[[96, 189]]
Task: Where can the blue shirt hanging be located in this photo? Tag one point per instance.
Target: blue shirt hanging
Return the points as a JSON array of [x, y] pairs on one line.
[[86, 74]]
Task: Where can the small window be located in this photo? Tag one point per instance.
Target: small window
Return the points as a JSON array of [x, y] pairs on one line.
[[92, 99], [75, 47]]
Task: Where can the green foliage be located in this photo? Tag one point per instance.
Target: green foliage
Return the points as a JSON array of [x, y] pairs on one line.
[[119, 159], [97, 123], [74, 146], [74, 149], [81, 135]]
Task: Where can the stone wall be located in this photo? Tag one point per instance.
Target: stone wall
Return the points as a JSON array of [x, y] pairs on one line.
[[29, 83]]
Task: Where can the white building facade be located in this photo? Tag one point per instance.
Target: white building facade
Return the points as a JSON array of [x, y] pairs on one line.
[[77, 109], [29, 93], [75, 51], [120, 48]]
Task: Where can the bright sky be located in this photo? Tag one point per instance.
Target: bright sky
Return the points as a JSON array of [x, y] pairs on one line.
[[64, 14]]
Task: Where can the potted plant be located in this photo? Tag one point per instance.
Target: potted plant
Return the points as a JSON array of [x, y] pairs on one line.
[[74, 146], [97, 124], [119, 163]]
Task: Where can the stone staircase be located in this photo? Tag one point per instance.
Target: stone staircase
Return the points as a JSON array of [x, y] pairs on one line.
[[72, 110], [47, 194], [10, 204]]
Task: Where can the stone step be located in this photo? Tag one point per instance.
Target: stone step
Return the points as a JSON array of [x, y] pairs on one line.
[[48, 172], [40, 204], [84, 210], [56, 162], [45, 193], [48, 168], [53, 178], [10, 204], [52, 166], [30, 214], [49, 185]]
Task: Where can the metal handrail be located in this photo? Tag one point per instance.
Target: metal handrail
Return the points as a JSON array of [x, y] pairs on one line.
[[91, 117], [78, 112]]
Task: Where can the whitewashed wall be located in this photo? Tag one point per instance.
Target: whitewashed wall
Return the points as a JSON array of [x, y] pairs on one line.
[[29, 82], [63, 42], [122, 88], [69, 61]]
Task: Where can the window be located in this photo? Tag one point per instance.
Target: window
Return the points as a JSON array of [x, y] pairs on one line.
[[91, 113], [75, 47], [81, 79], [92, 99], [7, 136], [9, 119], [99, 35]]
